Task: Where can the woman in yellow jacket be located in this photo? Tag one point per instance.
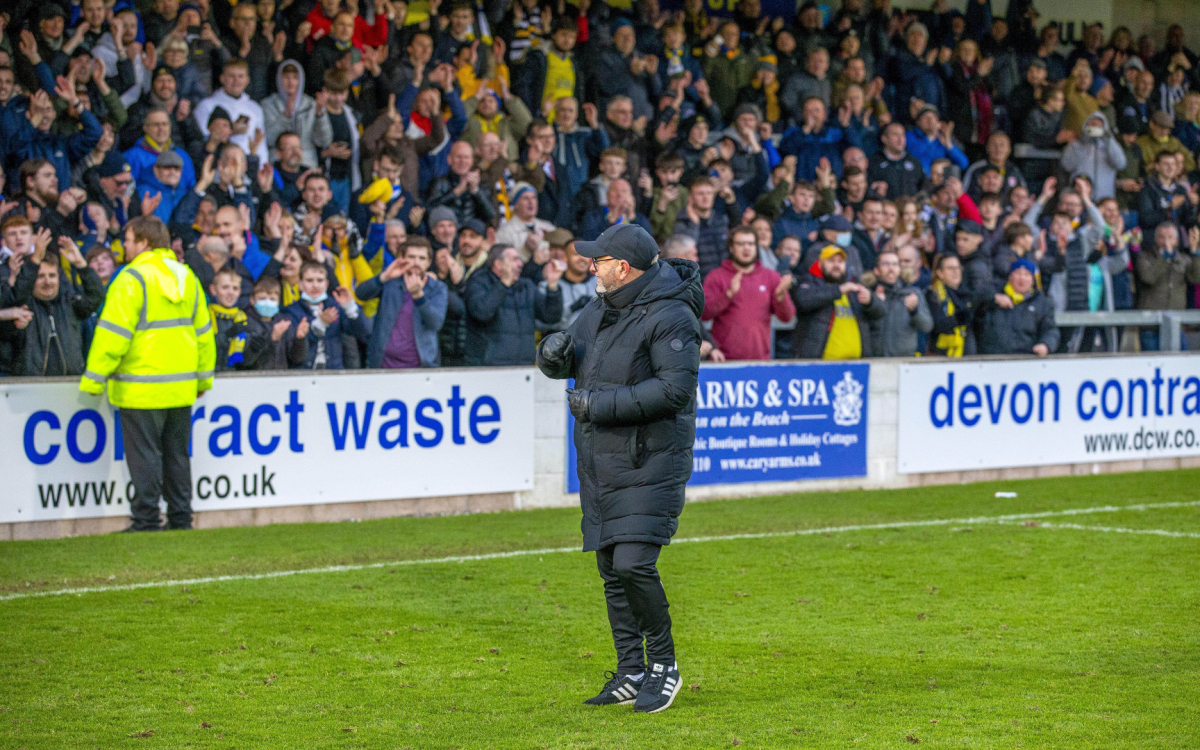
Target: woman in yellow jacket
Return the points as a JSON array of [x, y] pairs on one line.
[[154, 351]]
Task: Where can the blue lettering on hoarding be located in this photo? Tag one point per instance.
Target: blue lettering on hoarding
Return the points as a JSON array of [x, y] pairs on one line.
[[31, 452], [256, 444], [79, 417], [492, 415], [233, 430], [429, 423], [772, 423], [1019, 401], [350, 422]]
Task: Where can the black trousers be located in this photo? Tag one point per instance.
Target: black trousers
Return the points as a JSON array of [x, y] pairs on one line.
[[637, 605], [156, 451]]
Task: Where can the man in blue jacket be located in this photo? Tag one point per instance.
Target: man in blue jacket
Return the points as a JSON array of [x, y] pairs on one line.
[[814, 138], [155, 141], [34, 139], [412, 309], [932, 139]]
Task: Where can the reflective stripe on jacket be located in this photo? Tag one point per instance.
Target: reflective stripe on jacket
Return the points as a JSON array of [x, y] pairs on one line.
[[154, 341]]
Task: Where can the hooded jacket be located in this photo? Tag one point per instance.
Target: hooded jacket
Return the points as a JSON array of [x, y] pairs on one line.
[[1098, 158], [153, 346], [742, 325], [315, 132], [637, 350], [815, 299]]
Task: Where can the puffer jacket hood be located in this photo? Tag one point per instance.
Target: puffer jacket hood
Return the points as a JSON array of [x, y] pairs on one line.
[[279, 77], [676, 279], [1097, 115]]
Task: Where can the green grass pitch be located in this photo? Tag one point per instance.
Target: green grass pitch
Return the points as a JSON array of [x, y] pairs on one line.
[[1026, 634]]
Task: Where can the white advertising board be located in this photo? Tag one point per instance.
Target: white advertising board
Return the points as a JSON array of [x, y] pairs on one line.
[[964, 415], [275, 441]]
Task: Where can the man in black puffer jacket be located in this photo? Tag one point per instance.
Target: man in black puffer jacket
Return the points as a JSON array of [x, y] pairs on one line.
[[502, 306], [1021, 320], [635, 355]]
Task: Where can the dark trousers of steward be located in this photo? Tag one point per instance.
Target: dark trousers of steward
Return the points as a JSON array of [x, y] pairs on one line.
[[156, 451], [637, 605]]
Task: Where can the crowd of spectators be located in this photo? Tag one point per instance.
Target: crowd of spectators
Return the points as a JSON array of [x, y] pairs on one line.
[[382, 184]]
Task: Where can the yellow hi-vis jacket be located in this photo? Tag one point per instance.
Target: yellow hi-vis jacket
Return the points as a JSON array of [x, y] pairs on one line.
[[154, 342]]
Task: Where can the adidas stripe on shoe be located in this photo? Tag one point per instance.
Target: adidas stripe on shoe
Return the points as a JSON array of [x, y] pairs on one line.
[[620, 690], [659, 689]]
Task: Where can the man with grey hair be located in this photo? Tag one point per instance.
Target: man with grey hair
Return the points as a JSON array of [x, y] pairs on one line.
[[912, 70], [683, 247], [680, 246]]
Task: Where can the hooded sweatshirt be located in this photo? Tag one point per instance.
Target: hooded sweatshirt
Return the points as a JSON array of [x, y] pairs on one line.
[[1099, 158], [742, 325], [315, 132]]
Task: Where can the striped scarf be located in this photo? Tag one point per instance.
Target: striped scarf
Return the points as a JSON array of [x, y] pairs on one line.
[[951, 343], [237, 344]]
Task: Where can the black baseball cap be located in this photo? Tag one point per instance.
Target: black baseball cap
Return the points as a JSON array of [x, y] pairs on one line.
[[627, 242], [970, 226]]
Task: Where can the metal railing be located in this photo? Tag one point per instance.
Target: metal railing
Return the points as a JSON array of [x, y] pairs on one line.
[[1170, 324]]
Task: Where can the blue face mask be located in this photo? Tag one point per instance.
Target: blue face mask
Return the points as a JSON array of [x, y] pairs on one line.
[[314, 300], [267, 308], [843, 239]]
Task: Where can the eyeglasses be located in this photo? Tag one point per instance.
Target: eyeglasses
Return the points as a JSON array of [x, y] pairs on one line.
[[597, 261]]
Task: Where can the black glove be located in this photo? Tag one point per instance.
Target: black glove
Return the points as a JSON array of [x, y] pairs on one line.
[[580, 401], [557, 353], [354, 249]]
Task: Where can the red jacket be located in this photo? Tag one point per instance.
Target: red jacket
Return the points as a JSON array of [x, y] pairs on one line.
[[742, 325], [371, 36]]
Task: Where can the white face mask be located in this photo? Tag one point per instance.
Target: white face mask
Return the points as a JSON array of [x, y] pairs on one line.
[[1094, 131], [843, 239]]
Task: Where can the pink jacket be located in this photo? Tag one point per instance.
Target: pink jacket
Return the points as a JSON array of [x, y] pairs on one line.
[[742, 325]]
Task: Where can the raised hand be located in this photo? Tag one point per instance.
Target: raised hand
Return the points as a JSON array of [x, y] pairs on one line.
[[271, 221], [302, 328], [735, 285], [208, 173], [1048, 188], [395, 269], [41, 241], [280, 328], [784, 285], [28, 46], [329, 315], [149, 56], [266, 175], [343, 297], [70, 251], [552, 271], [150, 202], [414, 282]]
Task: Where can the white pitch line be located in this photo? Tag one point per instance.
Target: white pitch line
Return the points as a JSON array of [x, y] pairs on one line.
[[1116, 530], [558, 550]]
